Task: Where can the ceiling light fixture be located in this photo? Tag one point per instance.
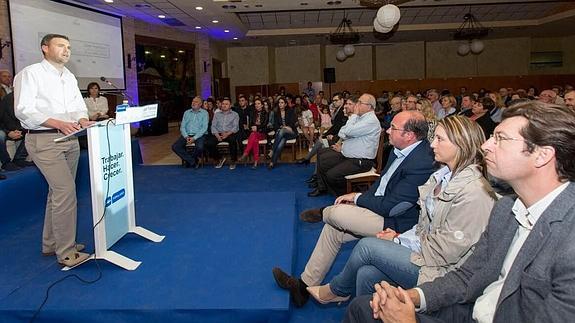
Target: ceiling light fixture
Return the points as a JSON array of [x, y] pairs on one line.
[[109, 1], [198, 27], [344, 35], [161, 16], [226, 31], [235, 38], [470, 30], [199, 8], [215, 21]]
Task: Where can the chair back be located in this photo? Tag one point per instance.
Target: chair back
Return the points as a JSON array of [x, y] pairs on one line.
[[383, 151]]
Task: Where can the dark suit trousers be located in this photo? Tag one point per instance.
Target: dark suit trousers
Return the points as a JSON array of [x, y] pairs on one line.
[[332, 167], [360, 311]]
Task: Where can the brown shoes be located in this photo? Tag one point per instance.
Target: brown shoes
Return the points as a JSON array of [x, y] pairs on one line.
[[311, 216], [74, 258], [79, 247], [297, 288]]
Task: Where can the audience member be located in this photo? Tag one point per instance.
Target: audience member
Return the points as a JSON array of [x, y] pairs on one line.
[[547, 96], [244, 110], [5, 83], [339, 119], [355, 154], [389, 203], [466, 105], [307, 124], [455, 205], [325, 120], [424, 106], [522, 267], [285, 126], [433, 97], [11, 129], [481, 115], [309, 90], [258, 127], [497, 111], [448, 103], [97, 105], [570, 99], [225, 127], [193, 129]]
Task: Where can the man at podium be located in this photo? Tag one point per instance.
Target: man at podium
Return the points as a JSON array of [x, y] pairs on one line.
[[49, 105]]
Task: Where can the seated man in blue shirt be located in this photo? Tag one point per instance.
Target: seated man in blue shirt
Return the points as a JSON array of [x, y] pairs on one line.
[[356, 154], [225, 126], [194, 127], [389, 203]]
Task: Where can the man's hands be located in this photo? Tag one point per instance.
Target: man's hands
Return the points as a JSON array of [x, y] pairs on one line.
[[15, 134], [223, 135], [387, 234], [346, 199], [336, 147], [85, 123], [392, 305]]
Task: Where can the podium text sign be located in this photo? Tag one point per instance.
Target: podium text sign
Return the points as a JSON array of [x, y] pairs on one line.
[[111, 179]]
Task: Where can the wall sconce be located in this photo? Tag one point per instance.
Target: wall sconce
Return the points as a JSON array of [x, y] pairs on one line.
[[2, 45]]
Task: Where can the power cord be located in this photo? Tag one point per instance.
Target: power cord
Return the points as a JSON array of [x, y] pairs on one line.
[[37, 312]]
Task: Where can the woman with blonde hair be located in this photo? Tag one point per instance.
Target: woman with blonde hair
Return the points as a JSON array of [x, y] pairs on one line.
[[424, 106], [448, 103], [455, 205], [496, 113]]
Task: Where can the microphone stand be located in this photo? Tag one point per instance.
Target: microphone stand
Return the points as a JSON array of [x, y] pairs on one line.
[[123, 93]]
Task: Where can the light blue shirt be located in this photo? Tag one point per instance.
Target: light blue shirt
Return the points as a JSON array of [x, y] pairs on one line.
[[401, 155], [410, 238], [194, 123], [442, 113], [360, 136]]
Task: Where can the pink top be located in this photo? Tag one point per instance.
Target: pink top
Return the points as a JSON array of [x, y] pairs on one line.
[[325, 120]]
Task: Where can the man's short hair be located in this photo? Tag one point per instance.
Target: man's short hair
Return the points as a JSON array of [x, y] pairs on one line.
[[487, 103], [47, 38], [548, 125], [417, 124], [470, 96]]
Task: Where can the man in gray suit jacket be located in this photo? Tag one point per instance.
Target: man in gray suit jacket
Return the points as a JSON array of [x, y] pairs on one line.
[[523, 267]]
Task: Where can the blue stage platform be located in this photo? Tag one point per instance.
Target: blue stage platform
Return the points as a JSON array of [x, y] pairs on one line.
[[224, 230]]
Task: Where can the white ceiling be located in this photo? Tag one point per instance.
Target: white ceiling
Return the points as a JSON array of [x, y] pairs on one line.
[[288, 22]]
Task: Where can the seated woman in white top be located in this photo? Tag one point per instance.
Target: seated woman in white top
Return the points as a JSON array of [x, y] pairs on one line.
[[97, 105]]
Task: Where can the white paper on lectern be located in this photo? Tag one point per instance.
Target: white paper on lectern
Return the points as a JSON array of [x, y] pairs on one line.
[[135, 114], [80, 131]]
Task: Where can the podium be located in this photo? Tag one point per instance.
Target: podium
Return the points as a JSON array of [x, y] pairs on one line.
[[111, 181]]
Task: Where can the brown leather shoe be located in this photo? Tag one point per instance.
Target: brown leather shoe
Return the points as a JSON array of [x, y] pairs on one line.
[[311, 216], [297, 288], [79, 247]]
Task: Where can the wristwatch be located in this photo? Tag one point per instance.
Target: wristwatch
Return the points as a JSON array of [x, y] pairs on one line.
[[396, 240]]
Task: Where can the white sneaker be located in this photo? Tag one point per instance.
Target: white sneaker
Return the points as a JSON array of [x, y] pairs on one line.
[[221, 163], [232, 166]]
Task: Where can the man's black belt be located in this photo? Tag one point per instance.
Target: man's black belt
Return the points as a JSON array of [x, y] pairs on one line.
[[42, 131]]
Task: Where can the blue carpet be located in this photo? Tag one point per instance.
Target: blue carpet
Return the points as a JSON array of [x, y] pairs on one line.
[[225, 231]]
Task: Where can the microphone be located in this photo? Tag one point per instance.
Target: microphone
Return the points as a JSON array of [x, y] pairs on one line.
[[103, 79], [124, 94]]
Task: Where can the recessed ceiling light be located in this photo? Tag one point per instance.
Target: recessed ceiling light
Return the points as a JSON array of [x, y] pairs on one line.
[[147, 52], [226, 31], [181, 51], [198, 27], [109, 1], [162, 56], [215, 21], [235, 38], [161, 16], [199, 8]]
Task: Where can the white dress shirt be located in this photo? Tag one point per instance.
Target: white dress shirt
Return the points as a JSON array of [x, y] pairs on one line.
[[6, 88], [42, 92]]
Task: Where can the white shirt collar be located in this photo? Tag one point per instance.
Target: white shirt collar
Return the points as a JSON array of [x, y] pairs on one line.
[[405, 151], [527, 217]]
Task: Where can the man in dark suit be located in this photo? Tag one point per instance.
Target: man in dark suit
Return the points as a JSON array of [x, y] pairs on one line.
[[522, 269], [389, 203], [11, 129]]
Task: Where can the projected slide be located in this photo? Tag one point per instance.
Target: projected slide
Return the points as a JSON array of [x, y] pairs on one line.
[[95, 38]]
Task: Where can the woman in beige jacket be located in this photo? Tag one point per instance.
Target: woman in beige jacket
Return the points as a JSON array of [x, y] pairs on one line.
[[455, 205]]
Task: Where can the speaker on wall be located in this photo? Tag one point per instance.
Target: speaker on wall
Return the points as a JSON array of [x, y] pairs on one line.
[[329, 75]]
